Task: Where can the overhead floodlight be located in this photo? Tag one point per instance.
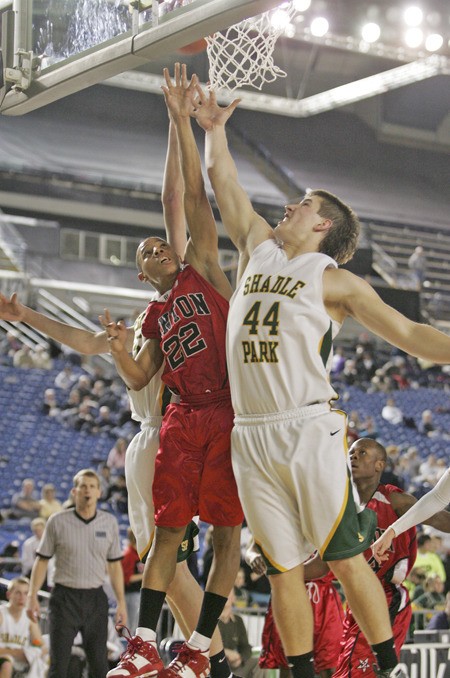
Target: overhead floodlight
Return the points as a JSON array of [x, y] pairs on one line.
[[434, 42], [280, 19], [302, 5], [370, 32], [414, 37], [319, 27], [413, 16]]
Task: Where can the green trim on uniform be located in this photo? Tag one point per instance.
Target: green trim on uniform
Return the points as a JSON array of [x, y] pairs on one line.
[[326, 345], [354, 533], [187, 545]]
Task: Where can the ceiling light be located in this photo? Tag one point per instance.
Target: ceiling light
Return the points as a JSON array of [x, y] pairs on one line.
[[413, 16], [370, 32], [434, 42], [280, 19], [319, 26], [302, 5], [413, 37]]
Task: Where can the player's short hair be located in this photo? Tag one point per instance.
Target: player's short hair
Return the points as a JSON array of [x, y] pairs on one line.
[[342, 238], [17, 580], [90, 473], [378, 447]]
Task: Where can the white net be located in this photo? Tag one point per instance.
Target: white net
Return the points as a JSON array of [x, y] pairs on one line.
[[243, 54]]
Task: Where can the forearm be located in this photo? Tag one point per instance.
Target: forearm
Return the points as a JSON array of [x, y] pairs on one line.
[[172, 195], [37, 576], [134, 376], [117, 581], [432, 502], [82, 341]]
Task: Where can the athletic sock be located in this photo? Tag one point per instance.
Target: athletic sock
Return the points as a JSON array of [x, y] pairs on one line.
[[385, 654], [219, 665], [150, 606], [302, 665], [212, 608]]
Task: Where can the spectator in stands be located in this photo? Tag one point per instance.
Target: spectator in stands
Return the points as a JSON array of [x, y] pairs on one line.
[[117, 454], [66, 378], [235, 641], [105, 480], [21, 647], [132, 575], [208, 554], [104, 422], [433, 594], [83, 386], [50, 405], [41, 358], [9, 345], [70, 407], [25, 504], [428, 470], [392, 413], [415, 581], [337, 363], [10, 558], [242, 596], [23, 358], [83, 420], [30, 545], [49, 504], [427, 558], [426, 426], [417, 264], [441, 620], [118, 494]]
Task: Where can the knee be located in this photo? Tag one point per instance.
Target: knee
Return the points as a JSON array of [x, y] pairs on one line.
[[348, 568], [169, 536], [227, 540]]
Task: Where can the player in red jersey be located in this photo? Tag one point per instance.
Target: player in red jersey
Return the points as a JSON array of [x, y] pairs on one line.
[[368, 460], [328, 620], [185, 330]]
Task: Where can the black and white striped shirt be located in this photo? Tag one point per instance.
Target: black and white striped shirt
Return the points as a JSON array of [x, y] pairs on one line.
[[81, 547]]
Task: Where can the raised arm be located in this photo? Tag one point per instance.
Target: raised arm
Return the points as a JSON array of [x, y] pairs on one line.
[[135, 372], [246, 228], [82, 341], [427, 510], [202, 249], [172, 195], [345, 294]]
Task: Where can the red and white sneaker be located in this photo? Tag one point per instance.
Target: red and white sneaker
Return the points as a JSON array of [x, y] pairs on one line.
[[140, 659], [189, 663]]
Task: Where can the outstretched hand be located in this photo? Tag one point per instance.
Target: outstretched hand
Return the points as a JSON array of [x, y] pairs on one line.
[[381, 546], [179, 93], [116, 332], [11, 309], [207, 111]]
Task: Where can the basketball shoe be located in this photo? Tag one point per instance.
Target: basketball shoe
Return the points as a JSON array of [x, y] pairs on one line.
[[140, 659], [189, 663]]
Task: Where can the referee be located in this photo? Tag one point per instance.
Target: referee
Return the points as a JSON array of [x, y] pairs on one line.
[[85, 543]]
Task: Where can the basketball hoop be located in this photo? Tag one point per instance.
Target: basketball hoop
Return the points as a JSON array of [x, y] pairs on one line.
[[243, 53]]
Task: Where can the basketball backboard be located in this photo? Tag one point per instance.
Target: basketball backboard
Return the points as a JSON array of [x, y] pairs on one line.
[[54, 48]]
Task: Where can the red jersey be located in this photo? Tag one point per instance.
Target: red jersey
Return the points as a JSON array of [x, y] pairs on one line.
[[356, 657], [190, 325], [403, 551]]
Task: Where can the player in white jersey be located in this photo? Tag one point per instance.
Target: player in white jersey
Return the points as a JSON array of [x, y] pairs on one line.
[[289, 449], [20, 639], [435, 500], [147, 405]]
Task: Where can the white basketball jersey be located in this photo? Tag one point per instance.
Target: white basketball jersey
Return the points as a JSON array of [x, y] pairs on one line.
[[14, 633], [148, 402], [279, 338]]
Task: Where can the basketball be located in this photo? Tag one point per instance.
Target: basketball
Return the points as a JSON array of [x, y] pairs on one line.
[[194, 47]]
